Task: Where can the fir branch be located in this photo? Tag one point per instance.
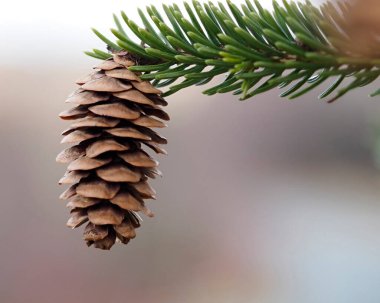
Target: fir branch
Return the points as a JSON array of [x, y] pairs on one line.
[[297, 45]]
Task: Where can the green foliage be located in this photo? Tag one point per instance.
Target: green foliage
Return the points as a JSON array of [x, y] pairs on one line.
[[296, 46]]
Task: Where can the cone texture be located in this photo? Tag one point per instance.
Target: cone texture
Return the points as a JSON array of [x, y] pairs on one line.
[[112, 119]]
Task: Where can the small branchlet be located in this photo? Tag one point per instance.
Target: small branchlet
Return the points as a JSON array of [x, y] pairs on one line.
[[297, 46]]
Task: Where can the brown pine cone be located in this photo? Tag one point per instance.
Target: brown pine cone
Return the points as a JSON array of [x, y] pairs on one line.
[[108, 169], [360, 23]]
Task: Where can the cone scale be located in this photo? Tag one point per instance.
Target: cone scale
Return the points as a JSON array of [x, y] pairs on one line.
[[113, 118]]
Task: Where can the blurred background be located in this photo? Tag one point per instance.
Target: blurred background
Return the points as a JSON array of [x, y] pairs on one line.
[[267, 200]]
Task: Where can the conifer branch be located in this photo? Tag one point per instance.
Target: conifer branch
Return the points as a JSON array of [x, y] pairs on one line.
[[296, 47]]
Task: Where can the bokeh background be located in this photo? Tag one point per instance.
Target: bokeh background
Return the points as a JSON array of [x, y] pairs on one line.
[[267, 200]]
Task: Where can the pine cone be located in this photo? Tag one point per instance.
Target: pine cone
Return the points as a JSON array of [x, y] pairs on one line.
[[108, 169], [361, 26]]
